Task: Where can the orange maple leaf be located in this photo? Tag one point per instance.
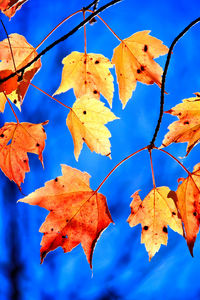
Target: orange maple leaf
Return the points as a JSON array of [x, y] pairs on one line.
[[9, 7], [187, 128], [86, 123], [87, 74], [188, 203], [154, 213], [133, 60], [16, 139], [77, 213], [23, 52]]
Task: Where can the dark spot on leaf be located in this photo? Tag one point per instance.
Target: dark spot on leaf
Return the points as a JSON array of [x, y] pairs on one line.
[[145, 48], [95, 92], [85, 61], [25, 160], [138, 71], [164, 229], [51, 229], [173, 213], [85, 82], [15, 101], [195, 213], [179, 114], [84, 112], [37, 145], [146, 227], [56, 179], [142, 68], [2, 135], [83, 139], [186, 122], [97, 62], [151, 82], [43, 129], [63, 236], [67, 220], [120, 74]]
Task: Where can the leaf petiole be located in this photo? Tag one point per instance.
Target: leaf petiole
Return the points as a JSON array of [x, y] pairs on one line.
[[120, 163], [50, 96]]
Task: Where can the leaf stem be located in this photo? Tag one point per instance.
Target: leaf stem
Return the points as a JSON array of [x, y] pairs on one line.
[[162, 95], [11, 107], [102, 20], [63, 38], [120, 163], [85, 38], [57, 26], [152, 172], [50, 96], [164, 151]]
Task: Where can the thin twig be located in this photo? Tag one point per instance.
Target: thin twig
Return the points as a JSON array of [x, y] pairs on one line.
[[96, 4], [63, 38], [91, 4], [162, 96]]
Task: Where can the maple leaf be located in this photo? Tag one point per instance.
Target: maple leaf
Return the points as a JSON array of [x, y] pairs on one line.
[[188, 203], [133, 60], [187, 128], [23, 52], [16, 139], [2, 102], [9, 7], [154, 213], [87, 74], [86, 123], [77, 214]]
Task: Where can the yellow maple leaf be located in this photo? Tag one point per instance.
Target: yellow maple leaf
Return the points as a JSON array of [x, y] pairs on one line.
[[187, 128], [154, 213], [86, 123], [133, 60], [87, 74], [2, 102]]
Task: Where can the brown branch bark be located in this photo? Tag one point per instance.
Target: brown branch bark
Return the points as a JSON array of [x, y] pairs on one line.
[[63, 38]]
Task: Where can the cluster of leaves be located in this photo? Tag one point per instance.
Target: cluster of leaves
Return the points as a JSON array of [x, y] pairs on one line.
[[77, 213]]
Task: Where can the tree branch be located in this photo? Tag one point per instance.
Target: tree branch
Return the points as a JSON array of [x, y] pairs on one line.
[[63, 38], [162, 96]]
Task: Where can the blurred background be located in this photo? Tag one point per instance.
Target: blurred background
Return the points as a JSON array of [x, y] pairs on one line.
[[121, 269]]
